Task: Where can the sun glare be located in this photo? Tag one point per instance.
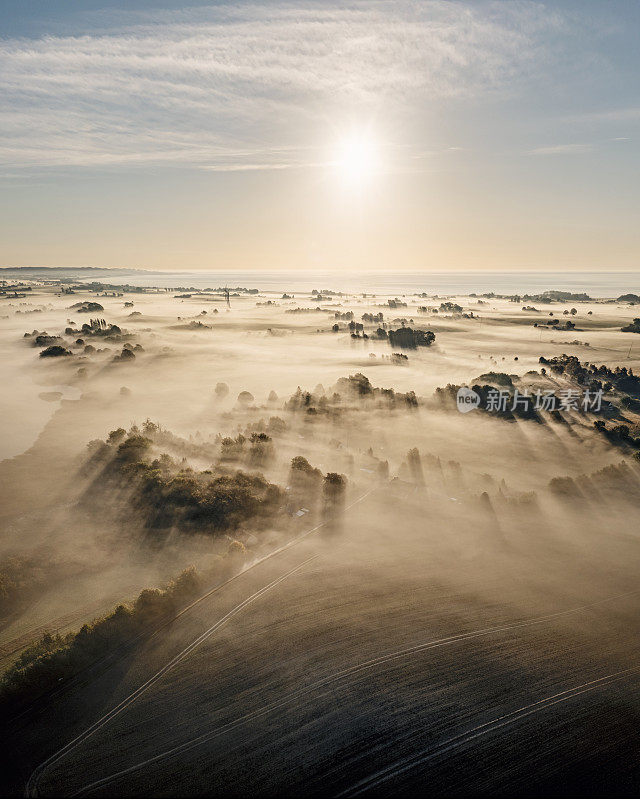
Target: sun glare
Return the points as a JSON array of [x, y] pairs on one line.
[[357, 160]]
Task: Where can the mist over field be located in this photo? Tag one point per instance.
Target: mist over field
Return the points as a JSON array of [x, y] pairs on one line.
[[250, 545], [319, 399]]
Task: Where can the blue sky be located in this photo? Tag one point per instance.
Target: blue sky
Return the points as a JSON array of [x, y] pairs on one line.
[[209, 135]]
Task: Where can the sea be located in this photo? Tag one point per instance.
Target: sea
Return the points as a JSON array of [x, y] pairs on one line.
[[596, 284]]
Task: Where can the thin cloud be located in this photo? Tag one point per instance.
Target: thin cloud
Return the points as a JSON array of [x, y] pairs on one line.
[[262, 167], [629, 113], [177, 87], [562, 149]]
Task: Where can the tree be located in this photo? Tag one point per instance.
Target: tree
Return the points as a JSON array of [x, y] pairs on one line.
[[261, 450], [116, 436], [134, 448], [334, 491], [415, 466]]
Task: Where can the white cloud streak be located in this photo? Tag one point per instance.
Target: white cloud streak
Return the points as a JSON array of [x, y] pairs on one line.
[[574, 148], [216, 87]]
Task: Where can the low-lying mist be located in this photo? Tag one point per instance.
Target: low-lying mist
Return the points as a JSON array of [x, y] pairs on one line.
[[176, 441]]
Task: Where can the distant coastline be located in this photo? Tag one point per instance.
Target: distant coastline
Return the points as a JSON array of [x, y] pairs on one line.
[[600, 284]]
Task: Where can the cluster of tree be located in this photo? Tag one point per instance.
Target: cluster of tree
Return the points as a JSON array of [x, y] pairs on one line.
[[256, 450], [357, 384], [20, 577], [622, 379], [615, 480], [633, 327], [313, 402], [55, 658], [310, 491], [54, 351], [193, 325], [99, 286], [55, 346], [450, 308], [618, 478], [551, 296], [87, 307], [496, 379], [101, 329], [408, 338], [273, 426], [355, 387], [43, 339], [177, 446], [563, 297], [565, 486], [197, 503], [126, 354], [414, 463], [162, 493], [630, 403], [507, 410], [196, 446], [557, 325], [360, 386], [421, 469], [618, 434], [373, 318]]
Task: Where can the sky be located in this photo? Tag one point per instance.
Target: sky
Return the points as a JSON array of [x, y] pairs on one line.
[[372, 135]]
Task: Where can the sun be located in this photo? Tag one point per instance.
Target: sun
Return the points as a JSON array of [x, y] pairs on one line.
[[357, 159]]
